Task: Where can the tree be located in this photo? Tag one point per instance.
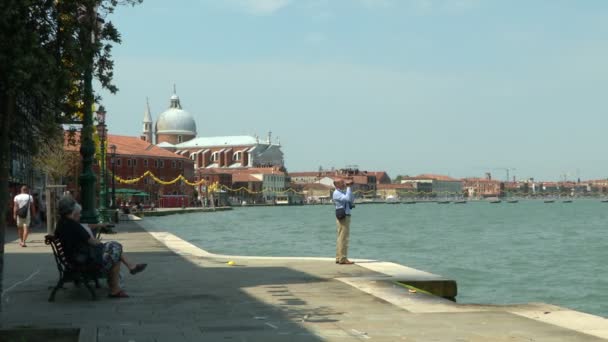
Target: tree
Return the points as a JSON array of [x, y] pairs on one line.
[[42, 74]]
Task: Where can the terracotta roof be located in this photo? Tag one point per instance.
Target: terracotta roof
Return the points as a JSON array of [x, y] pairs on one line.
[[305, 174], [249, 170], [379, 175], [316, 186], [244, 177], [135, 146], [394, 186], [126, 145], [436, 177]]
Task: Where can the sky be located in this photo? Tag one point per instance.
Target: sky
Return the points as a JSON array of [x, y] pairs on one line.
[[452, 87]]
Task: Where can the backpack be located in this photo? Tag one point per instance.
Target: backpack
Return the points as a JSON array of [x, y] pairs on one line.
[[22, 212]]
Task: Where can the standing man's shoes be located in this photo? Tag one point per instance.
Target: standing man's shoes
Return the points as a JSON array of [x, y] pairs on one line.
[[346, 262]]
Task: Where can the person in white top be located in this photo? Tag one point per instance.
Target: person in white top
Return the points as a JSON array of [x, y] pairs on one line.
[[23, 223]]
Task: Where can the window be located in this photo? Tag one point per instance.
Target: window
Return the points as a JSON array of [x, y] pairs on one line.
[[118, 162], [180, 165], [162, 164], [134, 162], [145, 162], [129, 162], [237, 156], [173, 164], [180, 139], [156, 163], [215, 157]]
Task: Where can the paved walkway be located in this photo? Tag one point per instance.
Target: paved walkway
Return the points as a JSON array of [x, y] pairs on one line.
[[187, 294]]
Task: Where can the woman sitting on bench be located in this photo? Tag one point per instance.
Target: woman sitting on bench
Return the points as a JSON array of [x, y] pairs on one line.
[[81, 247]]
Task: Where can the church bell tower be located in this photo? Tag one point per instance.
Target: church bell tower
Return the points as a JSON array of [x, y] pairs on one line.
[[147, 131]]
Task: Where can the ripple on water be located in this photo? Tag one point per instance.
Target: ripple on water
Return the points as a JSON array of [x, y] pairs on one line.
[[498, 253]]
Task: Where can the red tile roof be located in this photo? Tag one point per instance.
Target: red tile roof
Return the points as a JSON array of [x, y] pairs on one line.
[[136, 147], [244, 177], [395, 186], [316, 186], [125, 145], [433, 177]]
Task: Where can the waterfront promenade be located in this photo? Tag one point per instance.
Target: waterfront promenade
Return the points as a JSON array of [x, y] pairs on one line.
[[187, 294]]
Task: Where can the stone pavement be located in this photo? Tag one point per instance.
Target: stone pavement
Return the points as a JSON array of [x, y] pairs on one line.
[[187, 294]]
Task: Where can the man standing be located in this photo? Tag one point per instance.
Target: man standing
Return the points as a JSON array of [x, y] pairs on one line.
[[343, 199], [23, 200]]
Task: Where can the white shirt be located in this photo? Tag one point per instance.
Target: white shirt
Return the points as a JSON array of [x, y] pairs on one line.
[[21, 200]]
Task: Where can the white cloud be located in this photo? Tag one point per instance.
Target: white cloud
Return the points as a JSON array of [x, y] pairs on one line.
[[261, 7]]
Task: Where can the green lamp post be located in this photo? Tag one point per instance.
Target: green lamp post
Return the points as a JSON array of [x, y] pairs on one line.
[[87, 38], [101, 129]]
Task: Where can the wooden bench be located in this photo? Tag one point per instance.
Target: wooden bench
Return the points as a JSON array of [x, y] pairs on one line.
[[70, 272]]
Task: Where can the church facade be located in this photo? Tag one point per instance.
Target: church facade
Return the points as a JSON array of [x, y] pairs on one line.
[[227, 160], [175, 130]]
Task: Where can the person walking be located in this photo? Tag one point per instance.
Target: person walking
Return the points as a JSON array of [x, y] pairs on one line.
[[23, 212], [343, 199]]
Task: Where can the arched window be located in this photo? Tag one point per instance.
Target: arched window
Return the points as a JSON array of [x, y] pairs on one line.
[[215, 157]]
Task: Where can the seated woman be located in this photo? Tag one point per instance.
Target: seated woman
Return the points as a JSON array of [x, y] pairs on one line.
[[81, 247]]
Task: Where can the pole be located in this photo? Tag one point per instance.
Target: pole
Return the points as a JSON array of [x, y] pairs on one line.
[[104, 199], [113, 148], [87, 147]]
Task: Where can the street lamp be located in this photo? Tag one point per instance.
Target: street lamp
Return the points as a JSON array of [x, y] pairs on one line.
[[101, 129], [113, 149], [88, 34]]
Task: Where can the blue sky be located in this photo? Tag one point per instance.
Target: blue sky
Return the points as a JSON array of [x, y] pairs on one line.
[[459, 87]]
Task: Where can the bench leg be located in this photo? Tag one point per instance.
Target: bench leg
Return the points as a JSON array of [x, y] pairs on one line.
[[93, 295], [59, 285]]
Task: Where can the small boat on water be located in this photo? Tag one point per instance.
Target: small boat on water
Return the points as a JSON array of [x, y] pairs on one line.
[[443, 202], [549, 201], [409, 202], [392, 200], [604, 201], [460, 202], [512, 201], [567, 201], [495, 201]]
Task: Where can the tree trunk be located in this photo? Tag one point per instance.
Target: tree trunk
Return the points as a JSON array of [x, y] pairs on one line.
[[7, 112]]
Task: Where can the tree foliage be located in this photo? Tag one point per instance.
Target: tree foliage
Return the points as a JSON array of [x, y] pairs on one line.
[[45, 54]]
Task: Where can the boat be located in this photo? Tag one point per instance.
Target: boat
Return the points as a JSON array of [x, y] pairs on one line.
[[495, 201], [392, 200], [282, 200], [512, 201], [604, 201], [549, 201], [567, 201], [443, 202], [460, 202], [409, 202]]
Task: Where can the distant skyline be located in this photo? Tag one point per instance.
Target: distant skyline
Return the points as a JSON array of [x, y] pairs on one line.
[[458, 87]]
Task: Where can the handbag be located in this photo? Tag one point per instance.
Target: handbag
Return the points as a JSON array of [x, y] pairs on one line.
[[22, 212], [340, 213]]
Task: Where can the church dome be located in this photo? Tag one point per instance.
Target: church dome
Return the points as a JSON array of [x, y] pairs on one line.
[[175, 120]]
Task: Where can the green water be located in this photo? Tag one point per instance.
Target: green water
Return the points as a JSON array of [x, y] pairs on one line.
[[498, 253]]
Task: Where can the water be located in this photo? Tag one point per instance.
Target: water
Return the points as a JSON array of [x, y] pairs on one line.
[[498, 253]]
